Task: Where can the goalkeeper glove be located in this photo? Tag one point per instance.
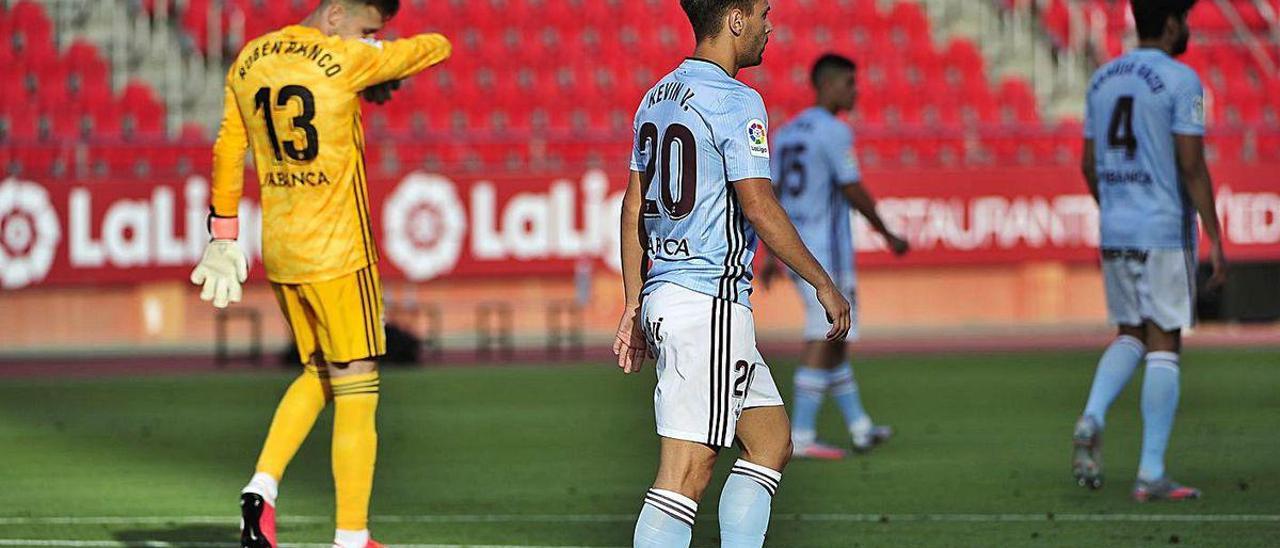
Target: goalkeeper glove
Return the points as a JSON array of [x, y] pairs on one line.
[[380, 93], [224, 266]]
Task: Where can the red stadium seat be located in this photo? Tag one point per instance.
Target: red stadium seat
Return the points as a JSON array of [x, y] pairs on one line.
[[146, 113], [193, 133], [21, 124], [1227, 146], [105, 122], [88, 72], [65, 124], [39, 160], [556, 70], [32, 30], [52, 86], [910, 18], [13, 89]]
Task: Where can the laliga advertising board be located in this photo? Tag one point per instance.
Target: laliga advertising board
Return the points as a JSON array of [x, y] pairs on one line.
[[432, 227], [427, 227]]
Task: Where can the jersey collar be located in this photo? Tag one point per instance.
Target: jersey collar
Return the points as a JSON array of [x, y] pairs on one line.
[[699, 62], [301, 29], [1152, 50]]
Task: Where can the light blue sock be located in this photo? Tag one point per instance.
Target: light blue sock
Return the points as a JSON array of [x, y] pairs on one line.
[[844, 390], [745, 503], [1159, 403], [666, 520], [1114, 370], [811, 386]]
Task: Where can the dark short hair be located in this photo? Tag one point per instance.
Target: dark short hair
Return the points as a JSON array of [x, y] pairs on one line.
[[828, 63], [388, 8], [706, 15], [1149, 16]]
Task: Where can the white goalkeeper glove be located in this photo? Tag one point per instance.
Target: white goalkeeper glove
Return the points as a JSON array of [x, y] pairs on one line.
[[222, 269]]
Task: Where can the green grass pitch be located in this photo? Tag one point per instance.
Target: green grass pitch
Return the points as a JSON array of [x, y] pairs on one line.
[[560, 456]]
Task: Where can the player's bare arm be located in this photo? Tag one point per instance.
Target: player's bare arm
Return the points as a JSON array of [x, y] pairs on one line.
[[860, 198], [629, 344], [761, 207], [1194, 172], [770, 266], [1089, 168]]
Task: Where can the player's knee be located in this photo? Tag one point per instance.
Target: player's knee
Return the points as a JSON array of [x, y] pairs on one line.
[[1164, 342], [774, 456], [824, 354], [784, 456], [359, 367], [690, 481], [1137, 332], [1159, 340]]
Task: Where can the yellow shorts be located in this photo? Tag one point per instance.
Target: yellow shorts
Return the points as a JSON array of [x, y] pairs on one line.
[[340, 319]]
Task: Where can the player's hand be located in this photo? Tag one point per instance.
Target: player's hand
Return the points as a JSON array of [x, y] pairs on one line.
[[1218, 259], [220, 273], [897, 245], [381, 93], [838, 312], [629, 345]]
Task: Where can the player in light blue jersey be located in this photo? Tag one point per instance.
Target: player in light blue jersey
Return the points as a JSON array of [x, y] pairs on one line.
[[698, 196], [816, 176], [1144, 163]]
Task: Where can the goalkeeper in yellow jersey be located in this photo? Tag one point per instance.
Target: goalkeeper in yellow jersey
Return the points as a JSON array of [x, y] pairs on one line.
[[293, 95]]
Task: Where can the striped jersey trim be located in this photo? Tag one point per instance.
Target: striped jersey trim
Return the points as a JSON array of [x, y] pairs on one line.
[[360, 189], [720, 427], [1189, 253], [736, 239], [366, 306]]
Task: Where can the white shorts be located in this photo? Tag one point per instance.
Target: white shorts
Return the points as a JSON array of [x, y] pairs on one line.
[[708, 367], [816, 325], [1156, 284]]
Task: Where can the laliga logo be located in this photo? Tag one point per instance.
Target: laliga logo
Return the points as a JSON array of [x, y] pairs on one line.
[[424, 226], [29, 233]]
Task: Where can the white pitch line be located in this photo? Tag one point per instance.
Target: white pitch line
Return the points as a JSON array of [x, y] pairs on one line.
[[179, 544], [625, 518], [1035, 518]]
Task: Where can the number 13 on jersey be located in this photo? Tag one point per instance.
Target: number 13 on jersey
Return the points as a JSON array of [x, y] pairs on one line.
[[309, 148]]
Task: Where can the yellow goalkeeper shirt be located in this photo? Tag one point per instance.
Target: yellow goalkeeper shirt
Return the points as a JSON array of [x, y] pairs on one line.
[[293, 96]]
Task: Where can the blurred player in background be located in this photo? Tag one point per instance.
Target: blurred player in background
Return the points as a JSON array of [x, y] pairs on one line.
[[817, 180], [699, 193], [1144, 163], [293, 95]]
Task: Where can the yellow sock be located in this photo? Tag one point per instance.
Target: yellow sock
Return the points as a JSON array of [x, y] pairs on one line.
[[294, 418], [355, 447]]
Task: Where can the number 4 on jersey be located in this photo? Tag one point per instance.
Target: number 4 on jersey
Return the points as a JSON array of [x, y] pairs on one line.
[[1120, 134]]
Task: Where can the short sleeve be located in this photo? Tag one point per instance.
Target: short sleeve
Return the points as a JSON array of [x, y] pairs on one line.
[[1188, 106], [839, 152], [743, 137], [638, 149]]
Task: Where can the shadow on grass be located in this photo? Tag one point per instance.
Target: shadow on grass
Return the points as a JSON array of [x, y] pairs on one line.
[[200, 535]]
